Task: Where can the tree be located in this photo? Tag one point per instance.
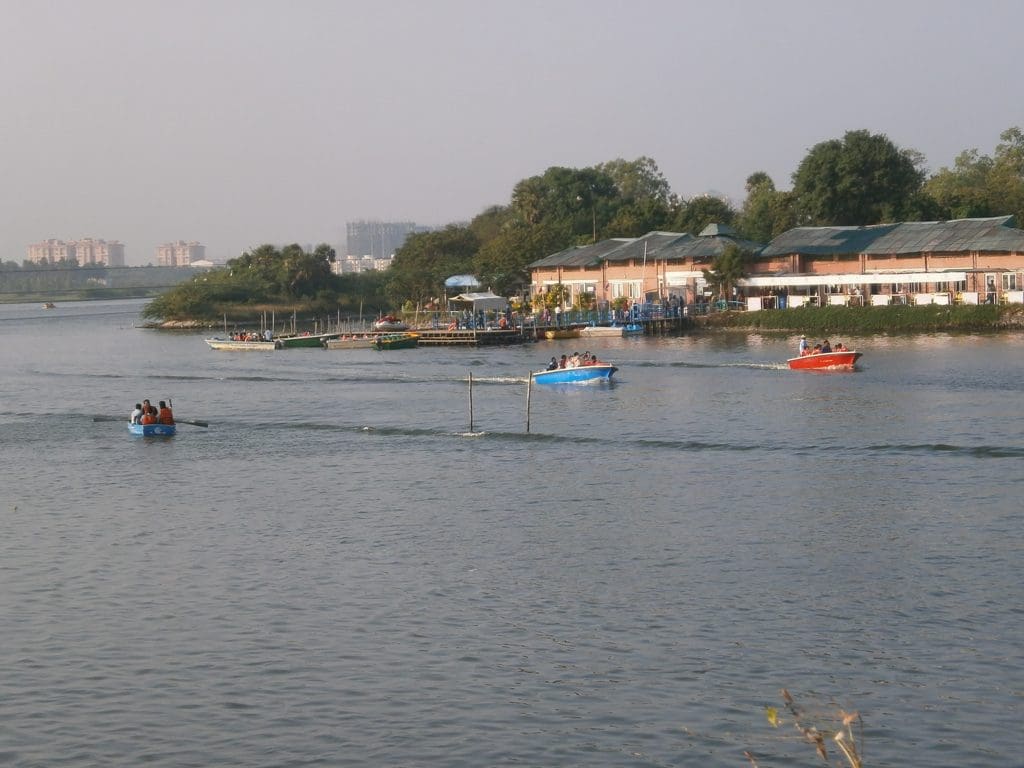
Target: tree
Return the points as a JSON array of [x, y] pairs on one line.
[[426, 260], [860, 179], [766, 212], [696, 213], [501, 262], [963, 191], [637, 180], [979, 185], [727, 269]]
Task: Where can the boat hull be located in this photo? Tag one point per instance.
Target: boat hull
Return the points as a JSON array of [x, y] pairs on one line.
[[828, 361], [396, 341], [602, 330], [304, 341], [153, 430], [229, 345], [351, 342], [582, 373], [562, 333]]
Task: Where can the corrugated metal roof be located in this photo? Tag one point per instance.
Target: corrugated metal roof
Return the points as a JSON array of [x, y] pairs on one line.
[[995, 235], [581, 255], [656, 245], [821, 241]]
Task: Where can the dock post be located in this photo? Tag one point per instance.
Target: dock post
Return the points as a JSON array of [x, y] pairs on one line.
[[529, 389], [470, 401]]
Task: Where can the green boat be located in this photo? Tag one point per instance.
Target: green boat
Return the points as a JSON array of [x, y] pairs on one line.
[[396, 341]]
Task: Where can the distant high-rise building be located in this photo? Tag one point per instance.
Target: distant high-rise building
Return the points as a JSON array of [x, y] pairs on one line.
[[180, 254], [88, 252], [379, 239]]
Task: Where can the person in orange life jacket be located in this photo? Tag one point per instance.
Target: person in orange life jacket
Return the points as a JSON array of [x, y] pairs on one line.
[[164, 415]]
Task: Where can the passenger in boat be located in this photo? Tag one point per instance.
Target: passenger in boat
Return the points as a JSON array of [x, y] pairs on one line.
[[553, 365], [148, 414], [564, 362], [839, 347], [826, 348], [816, 350], [136, 414], [164, 415], [804, 346]]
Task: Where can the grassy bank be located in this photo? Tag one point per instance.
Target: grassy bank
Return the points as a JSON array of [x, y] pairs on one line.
[[863, 321]]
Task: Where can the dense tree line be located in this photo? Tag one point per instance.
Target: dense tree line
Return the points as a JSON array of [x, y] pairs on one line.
[[860, 179]]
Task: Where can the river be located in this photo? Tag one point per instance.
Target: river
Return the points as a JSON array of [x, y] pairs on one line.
[[338, 571]]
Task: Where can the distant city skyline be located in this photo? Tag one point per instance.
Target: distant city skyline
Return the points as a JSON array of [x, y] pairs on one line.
[[158, 122]]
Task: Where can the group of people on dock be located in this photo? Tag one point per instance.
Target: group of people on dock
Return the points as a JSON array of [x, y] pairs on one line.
[[823, 348], [575, 360], [147, 413]]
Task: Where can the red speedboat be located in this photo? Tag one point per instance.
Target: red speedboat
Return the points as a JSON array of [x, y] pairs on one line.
[[826, 361]]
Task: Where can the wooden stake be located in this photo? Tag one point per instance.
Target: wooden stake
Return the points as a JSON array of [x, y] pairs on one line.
[[529, 389], [470, 401]]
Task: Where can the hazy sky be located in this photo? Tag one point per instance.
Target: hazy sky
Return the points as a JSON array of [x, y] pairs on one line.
[[240, 122]]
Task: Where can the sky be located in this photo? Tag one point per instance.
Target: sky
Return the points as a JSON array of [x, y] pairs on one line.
[[242, 122]]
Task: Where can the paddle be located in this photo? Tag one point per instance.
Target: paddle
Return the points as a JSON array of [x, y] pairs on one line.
[[194, 422]]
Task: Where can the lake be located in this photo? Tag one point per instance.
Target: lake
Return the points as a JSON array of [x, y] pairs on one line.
[[339, 571]]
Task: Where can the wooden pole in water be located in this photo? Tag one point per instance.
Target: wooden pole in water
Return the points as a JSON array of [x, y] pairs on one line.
[[470, 401], [529, 389], [225, 323]]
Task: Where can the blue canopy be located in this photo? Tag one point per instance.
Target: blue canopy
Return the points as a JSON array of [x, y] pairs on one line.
[[461, 281]]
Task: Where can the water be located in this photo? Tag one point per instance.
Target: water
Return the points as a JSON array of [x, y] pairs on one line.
[[340, 572]]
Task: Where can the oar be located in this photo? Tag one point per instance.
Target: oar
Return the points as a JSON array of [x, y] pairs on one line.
[[194, 423]]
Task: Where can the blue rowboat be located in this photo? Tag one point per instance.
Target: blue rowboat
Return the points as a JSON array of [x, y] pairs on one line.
[[153, 430], [581, 373]]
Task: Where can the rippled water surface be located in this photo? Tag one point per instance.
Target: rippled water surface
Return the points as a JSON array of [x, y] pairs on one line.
[[339, 571]]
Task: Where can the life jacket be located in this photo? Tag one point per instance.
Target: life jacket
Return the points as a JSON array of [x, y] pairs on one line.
[[147, 418], [165, 417]]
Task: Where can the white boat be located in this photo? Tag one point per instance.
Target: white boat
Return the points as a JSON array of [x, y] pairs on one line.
[[390, 323], [235, 345]]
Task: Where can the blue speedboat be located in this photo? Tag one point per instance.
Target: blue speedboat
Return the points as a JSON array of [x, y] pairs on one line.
[[581, 373], [153, 430]]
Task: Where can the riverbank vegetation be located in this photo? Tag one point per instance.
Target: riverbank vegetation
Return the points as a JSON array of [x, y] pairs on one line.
[[865, 321], [269, 279]]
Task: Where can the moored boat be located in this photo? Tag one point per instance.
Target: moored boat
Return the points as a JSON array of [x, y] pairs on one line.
[[581, 373], [390, 323], [237, 345], [562, 333], [153, 430], [352, 341], [304, 340], [396, 341], [826, 361]]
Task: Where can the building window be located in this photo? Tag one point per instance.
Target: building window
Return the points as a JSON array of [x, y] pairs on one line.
[[1009, 281]]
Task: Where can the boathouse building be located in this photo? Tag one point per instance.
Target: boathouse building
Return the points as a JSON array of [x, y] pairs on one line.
[[966, 261]]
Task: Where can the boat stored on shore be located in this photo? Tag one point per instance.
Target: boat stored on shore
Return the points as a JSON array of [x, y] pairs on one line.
[[581, 373], [826, 361]]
